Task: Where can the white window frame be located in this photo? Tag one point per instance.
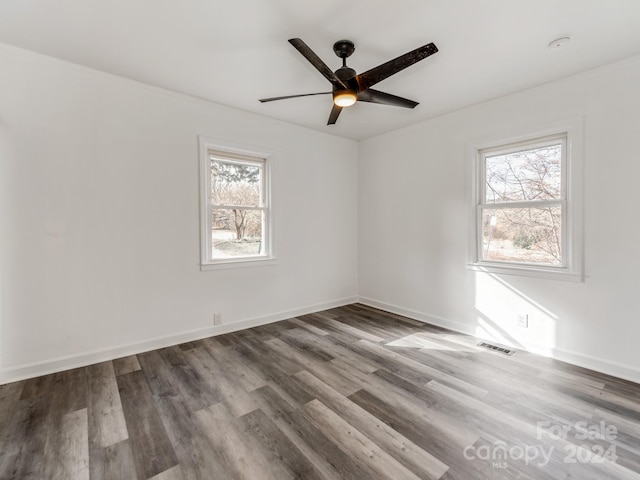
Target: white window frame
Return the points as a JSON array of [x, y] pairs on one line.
[[229, 153], [571, 133]]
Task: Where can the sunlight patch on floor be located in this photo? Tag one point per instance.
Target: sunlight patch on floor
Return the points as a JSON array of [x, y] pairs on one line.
[[416, 341]]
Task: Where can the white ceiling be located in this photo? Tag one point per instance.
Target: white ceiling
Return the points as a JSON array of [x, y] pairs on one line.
[[234, 52]]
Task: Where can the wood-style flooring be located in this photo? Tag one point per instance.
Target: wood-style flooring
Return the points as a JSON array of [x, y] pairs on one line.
[[348, 393]]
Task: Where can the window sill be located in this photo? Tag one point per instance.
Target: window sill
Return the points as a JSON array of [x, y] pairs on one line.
[[238, 263], [527, 271]]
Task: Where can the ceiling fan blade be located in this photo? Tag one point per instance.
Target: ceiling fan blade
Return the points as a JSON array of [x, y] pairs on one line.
[[379, 73], [273, 99], [375, 96], [315, 60], [333, 116]]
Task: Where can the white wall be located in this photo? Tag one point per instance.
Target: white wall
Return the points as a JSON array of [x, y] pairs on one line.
[[99, 222], [414, 224]]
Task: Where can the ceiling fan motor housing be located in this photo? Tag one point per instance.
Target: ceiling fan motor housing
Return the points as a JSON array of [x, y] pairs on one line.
[[348, 76]]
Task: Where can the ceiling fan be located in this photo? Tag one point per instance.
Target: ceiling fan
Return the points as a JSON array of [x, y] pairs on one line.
[[348, 87]]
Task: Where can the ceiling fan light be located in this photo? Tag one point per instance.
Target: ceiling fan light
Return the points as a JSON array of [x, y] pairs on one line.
[[344, 98]]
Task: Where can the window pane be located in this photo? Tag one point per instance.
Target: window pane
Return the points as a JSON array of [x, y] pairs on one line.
[[236, 232], [522, 235], [236, 184], [534, 174]]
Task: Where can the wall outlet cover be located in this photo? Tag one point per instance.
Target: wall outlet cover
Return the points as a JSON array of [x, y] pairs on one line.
[[522, 320]]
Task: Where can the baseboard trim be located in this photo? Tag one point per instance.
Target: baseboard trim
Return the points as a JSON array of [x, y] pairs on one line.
[[459, 327], [607, 367], [25, 371], [22, 372]]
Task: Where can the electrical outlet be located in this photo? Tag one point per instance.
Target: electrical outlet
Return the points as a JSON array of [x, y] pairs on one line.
[[522, 320], [217, 318]]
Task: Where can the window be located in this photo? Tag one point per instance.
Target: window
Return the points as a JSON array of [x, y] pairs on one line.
[[526, 211], [236, 215]]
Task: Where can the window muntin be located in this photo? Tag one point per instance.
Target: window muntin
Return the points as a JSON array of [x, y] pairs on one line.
[[522, 206], [236, 211]]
